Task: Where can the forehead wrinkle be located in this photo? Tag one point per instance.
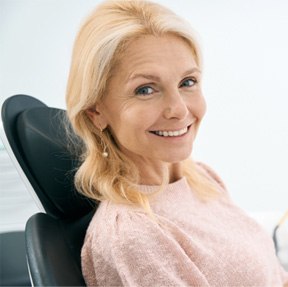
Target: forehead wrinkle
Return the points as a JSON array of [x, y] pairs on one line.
[[192, 71], [134, 76]]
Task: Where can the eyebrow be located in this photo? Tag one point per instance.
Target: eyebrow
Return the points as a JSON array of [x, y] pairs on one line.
[[156, 78]]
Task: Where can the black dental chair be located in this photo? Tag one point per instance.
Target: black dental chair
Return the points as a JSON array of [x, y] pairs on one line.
[[37, 137]]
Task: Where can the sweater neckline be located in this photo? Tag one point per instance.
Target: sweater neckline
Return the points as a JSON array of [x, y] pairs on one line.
[[179, 184]]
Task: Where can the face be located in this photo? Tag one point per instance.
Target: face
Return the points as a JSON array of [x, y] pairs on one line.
[[154, 102]]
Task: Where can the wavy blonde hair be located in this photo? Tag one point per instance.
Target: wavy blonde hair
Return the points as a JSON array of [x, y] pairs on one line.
[[98, 48]]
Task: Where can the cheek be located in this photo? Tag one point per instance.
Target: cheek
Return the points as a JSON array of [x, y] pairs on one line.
[[199, 108], [129, 124], [204, 106]]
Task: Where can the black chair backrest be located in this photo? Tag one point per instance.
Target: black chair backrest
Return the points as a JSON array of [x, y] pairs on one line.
[[37, 135], [53, 248]]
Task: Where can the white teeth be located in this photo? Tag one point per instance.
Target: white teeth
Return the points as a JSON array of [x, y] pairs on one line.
[[171, 133]]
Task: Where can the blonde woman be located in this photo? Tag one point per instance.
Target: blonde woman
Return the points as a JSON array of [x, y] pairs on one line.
[[134, 97]]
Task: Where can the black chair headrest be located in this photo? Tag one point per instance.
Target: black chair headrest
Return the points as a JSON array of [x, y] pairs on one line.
[[46, 149], [38, 138]]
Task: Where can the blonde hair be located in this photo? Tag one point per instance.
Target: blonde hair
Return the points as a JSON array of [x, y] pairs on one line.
[[99, 45]]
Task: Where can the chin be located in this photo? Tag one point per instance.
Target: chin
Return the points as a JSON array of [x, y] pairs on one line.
[[178, 157]]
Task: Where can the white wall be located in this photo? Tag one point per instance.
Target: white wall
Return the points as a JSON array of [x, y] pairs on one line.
[[245, 133]]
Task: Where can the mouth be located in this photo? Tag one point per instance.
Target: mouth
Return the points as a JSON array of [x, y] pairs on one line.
[[175, 133]]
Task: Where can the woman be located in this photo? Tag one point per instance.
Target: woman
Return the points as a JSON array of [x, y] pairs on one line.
[[134, 97]]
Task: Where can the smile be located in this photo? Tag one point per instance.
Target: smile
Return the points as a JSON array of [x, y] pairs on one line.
[[171, 133]]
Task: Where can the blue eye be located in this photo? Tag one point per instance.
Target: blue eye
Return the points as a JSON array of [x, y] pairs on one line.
[[146, 90], [188, 82]]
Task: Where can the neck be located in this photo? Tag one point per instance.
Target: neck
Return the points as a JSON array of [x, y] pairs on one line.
[[167, 172]]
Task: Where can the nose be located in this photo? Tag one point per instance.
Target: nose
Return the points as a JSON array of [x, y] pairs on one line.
[[175, 106]]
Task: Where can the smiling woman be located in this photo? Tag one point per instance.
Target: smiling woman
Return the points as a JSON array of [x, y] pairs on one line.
[[134, 96], [108, 85]]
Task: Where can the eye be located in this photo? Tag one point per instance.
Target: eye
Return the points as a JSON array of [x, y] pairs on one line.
[[190, 82], [145, 90]]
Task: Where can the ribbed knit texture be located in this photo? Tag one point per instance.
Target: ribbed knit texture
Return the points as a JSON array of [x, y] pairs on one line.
[[192, 243]]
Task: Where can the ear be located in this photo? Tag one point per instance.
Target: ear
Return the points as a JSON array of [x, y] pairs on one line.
[[97, 117]]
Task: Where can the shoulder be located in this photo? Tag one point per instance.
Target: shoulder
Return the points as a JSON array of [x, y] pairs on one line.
[[113, 231], [211, 174], [109, 217], [119, 233], [117, 224]]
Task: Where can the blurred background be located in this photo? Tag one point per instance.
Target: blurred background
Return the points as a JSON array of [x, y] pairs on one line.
[[244, 135]]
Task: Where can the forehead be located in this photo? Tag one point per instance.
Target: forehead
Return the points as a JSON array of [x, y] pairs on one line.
[[154, 53]]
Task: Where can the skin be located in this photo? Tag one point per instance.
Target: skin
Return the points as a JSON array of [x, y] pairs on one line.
[[156, 88]]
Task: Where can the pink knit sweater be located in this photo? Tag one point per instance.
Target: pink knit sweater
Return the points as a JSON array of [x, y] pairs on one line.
[[194, 243]]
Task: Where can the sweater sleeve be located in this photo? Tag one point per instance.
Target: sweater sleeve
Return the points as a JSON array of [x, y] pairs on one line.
[[134, 250]]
